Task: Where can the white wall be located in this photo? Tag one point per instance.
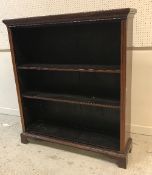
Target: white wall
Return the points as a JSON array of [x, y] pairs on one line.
[[142, 92], [8, 96], [22, 8], [142, 59]]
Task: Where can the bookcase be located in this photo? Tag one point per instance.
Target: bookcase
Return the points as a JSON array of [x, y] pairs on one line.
[[73, 78]]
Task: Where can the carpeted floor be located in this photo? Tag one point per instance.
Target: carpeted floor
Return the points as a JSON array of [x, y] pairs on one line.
[[52, 159]]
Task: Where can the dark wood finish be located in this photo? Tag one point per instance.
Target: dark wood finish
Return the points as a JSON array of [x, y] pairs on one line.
[[115, 14], [75, 135], [126, 75], [70, 68], [122, 161], [112, 154], [123, 86], [24, 139], [129, 37], [16, 79], [87, 84], [98, 102], [73, 79]]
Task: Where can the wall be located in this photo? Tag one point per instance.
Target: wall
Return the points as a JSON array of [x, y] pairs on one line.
[[142, 92], [142, 50], [8, 96]]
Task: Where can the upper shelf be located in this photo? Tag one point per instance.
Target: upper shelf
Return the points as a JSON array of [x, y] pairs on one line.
[[71, 68], [114, 14]]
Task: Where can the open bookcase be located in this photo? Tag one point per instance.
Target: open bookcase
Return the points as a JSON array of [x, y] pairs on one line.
[[73, 77]]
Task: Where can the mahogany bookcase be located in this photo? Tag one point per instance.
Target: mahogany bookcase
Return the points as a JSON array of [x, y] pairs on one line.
[[73, 78]]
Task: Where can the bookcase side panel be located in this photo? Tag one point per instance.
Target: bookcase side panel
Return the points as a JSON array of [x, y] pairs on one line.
[[16, 77], [129, 34], [122, 86], [126, 74]]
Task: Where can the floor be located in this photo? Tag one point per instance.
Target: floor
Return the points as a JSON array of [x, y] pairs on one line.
[[52, 159]]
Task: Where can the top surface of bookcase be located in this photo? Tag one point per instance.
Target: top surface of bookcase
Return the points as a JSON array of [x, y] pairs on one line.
[[115, 14]]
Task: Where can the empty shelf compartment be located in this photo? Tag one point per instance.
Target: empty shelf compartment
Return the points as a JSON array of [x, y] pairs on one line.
[[74, 135]]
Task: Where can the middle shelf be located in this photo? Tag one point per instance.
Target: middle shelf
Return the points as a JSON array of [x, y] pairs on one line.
[[75, 99], [70, 68]]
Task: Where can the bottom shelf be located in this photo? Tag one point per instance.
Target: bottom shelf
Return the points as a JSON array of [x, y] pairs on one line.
[[74, 135]]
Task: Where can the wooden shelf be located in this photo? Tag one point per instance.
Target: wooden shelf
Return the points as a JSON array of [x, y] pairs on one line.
[[76, 68], [74, 135], [75, 99]]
